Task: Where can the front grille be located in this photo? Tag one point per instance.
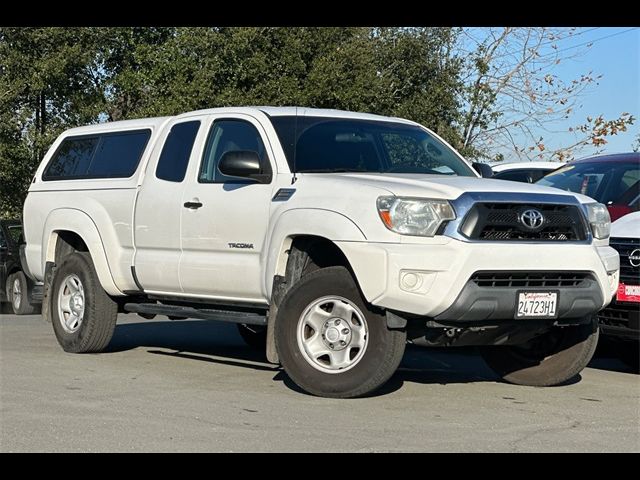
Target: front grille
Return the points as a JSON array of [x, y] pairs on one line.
[[629, 274], [620, 314], [502, 222], [530, 279]]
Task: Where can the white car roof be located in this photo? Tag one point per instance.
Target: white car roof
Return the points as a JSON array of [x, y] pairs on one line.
[[291, 111], [270, 111], [627, 226], [119, 125], [503, 167]]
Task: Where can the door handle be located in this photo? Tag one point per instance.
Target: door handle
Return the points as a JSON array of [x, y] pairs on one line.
[[193, 205]]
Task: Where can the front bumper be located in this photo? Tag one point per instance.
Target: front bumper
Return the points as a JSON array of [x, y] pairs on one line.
[[427, 278], [498, 303]]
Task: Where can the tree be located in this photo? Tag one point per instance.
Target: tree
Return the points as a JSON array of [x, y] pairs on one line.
[[405, 72], [55, 78], [513, 93], [48, 82], [395, 71]]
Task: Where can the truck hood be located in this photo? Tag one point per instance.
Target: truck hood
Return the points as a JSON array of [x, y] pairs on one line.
[[439, 186]]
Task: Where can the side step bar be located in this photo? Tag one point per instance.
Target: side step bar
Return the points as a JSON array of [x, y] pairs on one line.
[[200, 313]]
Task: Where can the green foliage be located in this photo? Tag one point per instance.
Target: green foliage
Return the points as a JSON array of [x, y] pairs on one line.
[[55, 78], [48, 82]]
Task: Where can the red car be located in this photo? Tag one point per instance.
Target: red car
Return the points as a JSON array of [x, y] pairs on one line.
[[610, 179]]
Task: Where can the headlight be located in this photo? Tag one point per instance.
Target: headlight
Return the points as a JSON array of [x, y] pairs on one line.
[[599, 220], [414, 216]]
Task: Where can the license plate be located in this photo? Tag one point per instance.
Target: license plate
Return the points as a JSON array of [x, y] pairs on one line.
[[628, 293], [537, 305]]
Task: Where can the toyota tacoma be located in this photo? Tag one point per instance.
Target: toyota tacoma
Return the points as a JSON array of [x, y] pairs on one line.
[[330, 237]]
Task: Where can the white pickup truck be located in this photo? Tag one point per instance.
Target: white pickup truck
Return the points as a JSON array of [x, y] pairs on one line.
[[333, 237]]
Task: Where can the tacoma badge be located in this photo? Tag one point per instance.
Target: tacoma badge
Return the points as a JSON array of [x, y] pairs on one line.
[[241, 245]]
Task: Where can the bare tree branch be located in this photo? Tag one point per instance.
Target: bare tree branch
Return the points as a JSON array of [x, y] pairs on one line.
[[513, 93]]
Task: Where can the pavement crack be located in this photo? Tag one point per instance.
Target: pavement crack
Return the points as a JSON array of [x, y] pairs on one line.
[[528, 435]]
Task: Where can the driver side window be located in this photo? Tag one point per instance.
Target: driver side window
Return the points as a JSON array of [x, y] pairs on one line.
[[225, 136]]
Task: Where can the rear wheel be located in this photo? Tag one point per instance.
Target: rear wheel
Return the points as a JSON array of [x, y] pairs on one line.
[[18, 291], [84, 316], [549, 359], [330, 341]]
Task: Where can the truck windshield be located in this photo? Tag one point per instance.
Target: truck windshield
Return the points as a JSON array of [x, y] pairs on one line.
[[326, 144]]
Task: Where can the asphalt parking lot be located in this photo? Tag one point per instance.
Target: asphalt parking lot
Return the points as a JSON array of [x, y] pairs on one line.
[[194, 386]]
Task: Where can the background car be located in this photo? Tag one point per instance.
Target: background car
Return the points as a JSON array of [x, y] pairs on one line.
[[613, 180], [18, 294], [620, 320], [528, 172]]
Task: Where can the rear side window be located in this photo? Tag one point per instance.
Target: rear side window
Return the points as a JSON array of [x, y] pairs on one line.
[[109, 155], [176, 151], [72, 159], [118, 155]]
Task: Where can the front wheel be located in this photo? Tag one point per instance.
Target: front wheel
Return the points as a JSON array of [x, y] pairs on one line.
[[83, 315], [549, 359], [330, 341]]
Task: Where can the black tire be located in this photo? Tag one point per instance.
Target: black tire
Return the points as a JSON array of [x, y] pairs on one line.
[[549, 359], [381, 356], [20, 304], [254, 335], [629, 353], [100, 311]]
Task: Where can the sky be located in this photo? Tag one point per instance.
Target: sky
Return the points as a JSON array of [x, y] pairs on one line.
[[617, 59]]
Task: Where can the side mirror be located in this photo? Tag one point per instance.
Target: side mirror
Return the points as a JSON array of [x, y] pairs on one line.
[[483, 169], [243, 164]]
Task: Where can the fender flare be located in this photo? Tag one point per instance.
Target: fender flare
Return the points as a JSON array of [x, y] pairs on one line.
[[78, 222], [328, 224]]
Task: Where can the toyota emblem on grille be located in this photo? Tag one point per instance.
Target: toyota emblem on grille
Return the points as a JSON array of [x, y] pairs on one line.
[[634, 258], [532, 219]]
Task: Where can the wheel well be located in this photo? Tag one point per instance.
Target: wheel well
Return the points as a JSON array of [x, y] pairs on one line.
[[68, 242], [320, 252], [306, 254]]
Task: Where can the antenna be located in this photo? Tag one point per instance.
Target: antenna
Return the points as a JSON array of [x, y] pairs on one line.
[[295, 144]]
